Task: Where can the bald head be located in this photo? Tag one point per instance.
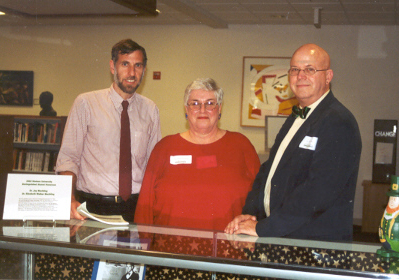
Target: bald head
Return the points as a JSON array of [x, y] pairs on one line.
[[317, 53], [309, 88]]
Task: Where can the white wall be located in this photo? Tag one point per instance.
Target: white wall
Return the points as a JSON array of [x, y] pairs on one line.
[[74, 59]]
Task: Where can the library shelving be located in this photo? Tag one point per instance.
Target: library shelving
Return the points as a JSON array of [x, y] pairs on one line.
[[28, 144]]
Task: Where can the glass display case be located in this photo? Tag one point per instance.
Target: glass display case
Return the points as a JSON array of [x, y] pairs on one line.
[[38, 245]]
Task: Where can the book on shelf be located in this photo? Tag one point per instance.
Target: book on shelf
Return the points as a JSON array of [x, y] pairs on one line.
[[56, 134], [107, 219], [35, 161], [19, 159], [46, 161], [39, 132]]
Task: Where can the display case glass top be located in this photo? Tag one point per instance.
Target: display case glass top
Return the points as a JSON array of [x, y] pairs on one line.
[[198, 249]]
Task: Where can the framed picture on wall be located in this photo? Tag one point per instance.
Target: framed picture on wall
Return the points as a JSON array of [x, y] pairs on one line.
[[265, 89], [16, 88]]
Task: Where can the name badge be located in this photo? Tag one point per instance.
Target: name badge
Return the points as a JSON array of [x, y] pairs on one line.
[[175, 160], [309, 143]]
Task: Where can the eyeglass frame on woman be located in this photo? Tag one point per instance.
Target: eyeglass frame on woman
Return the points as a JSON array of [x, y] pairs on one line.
[[206, 105], [307, 71]]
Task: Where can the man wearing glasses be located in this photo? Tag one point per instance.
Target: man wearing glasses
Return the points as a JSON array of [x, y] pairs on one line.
[[306, 188]]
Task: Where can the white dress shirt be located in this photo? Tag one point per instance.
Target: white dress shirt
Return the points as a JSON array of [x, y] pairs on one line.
[[90, 145]]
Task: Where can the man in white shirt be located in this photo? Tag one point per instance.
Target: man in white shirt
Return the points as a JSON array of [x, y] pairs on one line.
[[90, 148], [307, 186]]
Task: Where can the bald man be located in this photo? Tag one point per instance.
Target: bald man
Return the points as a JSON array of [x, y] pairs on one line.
[[307, 186]]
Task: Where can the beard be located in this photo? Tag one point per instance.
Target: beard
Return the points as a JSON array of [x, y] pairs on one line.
[[392, 210], [127, 89]]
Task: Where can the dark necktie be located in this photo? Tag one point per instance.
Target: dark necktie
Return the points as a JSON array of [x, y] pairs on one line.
[[298, 112], [125, 157]]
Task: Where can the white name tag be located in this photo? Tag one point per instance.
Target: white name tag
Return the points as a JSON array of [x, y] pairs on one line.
[[309, 143], [181, 160]]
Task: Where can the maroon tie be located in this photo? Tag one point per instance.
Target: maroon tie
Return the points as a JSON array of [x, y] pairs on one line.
[[125, 157]]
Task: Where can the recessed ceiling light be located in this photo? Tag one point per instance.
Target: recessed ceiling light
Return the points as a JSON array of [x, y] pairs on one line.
[[2, 14]]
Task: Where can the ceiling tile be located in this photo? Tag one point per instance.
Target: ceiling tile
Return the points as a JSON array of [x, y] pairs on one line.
[[262, 7], [48, 7], [223, 12], [324, 7], [369, 7]]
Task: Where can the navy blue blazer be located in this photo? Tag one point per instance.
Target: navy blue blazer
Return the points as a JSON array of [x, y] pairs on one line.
[[312, 190]]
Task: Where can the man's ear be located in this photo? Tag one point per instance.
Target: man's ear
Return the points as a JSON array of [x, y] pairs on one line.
[[329, 75], [112, 66]]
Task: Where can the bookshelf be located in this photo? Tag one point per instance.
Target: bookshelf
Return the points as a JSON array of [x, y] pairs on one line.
[[28, 144], [36, 144]]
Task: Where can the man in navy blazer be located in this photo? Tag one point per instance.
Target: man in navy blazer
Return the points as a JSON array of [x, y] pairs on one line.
[[307, 186]]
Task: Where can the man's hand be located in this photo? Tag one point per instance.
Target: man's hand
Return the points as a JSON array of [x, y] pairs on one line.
[[247, 227], [74, 203], [74, 212], [241, 224]]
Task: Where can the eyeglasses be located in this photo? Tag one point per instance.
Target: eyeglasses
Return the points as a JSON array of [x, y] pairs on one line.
[[309, 71], [209, 105]]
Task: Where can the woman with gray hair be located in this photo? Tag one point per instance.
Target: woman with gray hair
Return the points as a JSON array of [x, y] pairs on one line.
[[199, 178]]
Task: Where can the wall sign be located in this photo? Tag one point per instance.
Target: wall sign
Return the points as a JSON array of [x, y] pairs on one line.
[[384, 150]]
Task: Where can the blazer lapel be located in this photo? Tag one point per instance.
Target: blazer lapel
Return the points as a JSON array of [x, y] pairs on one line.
[[305, 129]]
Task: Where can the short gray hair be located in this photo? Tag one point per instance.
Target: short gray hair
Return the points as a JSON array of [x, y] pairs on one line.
[[207, 84]]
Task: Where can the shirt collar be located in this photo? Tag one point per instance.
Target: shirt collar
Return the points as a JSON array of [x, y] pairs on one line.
[[117, 99], [315, 104]]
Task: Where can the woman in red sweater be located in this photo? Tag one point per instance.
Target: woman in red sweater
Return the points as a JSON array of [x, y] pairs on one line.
[[201, 177]]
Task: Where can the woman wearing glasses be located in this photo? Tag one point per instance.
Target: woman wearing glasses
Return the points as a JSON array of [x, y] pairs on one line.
[[201, 177]]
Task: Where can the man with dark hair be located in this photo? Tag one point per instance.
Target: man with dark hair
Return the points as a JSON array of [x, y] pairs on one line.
[[126, 47], [95, 138], [307, 186]]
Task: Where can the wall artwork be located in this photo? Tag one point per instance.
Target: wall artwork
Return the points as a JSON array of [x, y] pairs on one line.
[[265, 89], [16, 88]]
